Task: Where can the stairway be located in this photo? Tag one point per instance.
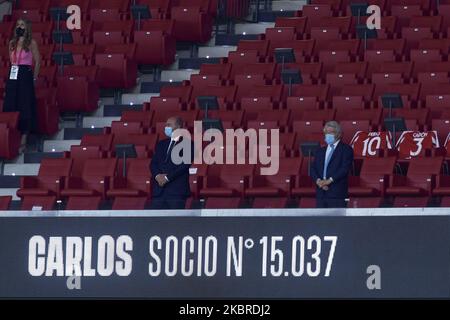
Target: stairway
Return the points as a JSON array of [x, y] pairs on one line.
[[185, 65]]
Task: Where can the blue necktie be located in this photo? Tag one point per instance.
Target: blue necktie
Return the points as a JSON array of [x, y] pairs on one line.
[[327, 160]]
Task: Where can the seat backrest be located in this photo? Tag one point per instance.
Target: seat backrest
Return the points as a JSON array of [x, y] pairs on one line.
[[55, 167], [102, 140], [99, 168], [378, 166], [425, 166], [11, 119]]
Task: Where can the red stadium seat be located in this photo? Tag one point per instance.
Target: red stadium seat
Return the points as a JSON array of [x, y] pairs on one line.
[[136, 183], [358, 68], [261, 46], [78, 90], [348, 102], [373, 178], [9, 135], [226, 180], [419, 180], [405, 13], [432, 22], [163, 103], [38, 202], [83, 203], [94, 180], [191, 24], [279, 35], [350, 127], [363, 202], [129, 203], [269, 203], [222, 203], [115, 70], [80, 154], [298, 23], [279, 184], [410, 202], [143, 117], [350, 45], [241, 58], [307, 203], [103, 141], [330, 58], [316, 12], [413, 35], [155, 43], [323, 37], [5, 201], [181, 92], [49, 181], [197, 173], [396, 45]]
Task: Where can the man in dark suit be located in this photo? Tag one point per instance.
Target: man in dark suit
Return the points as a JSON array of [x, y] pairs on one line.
[[331, 167], [170, 185]]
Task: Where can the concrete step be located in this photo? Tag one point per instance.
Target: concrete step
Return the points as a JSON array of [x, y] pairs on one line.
[[117, 110], [78, 133], [253, 28], [9, 192], [215, 51], [98, 122], [137, 98], [27, 169], [36, 157], [288, 5], [59, 145], [177, 75]]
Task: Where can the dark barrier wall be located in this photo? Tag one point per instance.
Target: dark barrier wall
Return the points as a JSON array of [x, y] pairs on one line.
[[238, 257]]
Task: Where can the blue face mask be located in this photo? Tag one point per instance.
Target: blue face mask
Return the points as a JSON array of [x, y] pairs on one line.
[[330, 138], [168, 131]]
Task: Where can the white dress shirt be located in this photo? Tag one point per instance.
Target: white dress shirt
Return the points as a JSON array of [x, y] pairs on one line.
[[328, 152]]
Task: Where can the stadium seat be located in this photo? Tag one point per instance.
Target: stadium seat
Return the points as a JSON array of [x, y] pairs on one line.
[[135, 184], [155, 43], [419, 180], [365, 202], [83, 203], [410, 202], [129, 203], [373, 178], [49, 181], [115, 70], [80, 154], [269, 203], [38, 203], [94, 180], [78, 93], [9, 135], [222, 203], [104, 141], [191, 24], [261, 47], [5, 201], [279, 184], [226, 180]]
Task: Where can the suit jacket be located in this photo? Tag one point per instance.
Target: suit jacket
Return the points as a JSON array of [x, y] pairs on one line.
[[338, 168], [178, 174]]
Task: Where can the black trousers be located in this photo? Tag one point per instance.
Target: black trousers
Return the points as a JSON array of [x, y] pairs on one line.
[[330, 203], [21, 97], [168, 203]]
